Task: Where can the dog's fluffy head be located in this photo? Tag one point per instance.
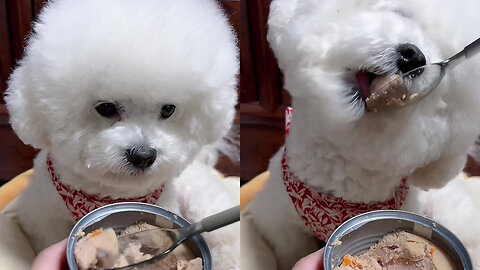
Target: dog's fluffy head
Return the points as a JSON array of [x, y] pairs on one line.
[[135, 57], [322, 45]]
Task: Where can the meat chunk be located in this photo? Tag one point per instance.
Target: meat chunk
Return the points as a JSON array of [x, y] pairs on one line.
[[400, 250], [101, 249], [386, 92], [97, 249]]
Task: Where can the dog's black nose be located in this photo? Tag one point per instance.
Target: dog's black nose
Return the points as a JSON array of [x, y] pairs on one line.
[[411, 57], [141, 157]]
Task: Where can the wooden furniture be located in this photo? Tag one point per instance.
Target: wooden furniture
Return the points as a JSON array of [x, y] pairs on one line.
[[262, 98], [16, 18], [15, 24]]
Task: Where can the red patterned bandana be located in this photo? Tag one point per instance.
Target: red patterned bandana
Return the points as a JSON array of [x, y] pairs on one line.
[[323, 213], [80, 203]]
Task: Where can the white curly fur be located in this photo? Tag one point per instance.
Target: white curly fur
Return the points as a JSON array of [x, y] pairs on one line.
[[140, 55], [340, 148]]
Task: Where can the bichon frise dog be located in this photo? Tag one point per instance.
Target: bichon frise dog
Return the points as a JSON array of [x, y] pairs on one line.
[[123, 96], [338, 152]]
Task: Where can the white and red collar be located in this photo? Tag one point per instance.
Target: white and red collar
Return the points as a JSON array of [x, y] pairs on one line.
[[80, 203], [323, 213]]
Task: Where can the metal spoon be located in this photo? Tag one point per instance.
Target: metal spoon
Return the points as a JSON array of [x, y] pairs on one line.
[[153, 241], [421, 81]]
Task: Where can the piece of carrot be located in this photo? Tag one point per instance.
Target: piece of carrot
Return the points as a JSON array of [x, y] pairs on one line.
[[346, 261], [95, 233]]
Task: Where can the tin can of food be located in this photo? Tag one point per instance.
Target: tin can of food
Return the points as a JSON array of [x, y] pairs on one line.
[[121, 215], [358, 234]]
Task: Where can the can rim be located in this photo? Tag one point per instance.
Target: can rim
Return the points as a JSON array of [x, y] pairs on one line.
[[100, 213], [362, 219]]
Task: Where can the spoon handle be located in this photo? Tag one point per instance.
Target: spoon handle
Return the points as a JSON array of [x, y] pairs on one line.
[[468, 52], [212, 222], [472, 49], [221, 219]]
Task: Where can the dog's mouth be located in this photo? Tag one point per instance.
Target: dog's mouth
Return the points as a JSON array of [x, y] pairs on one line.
[[364, 81], [138, 173], [127, 172], [380, 91]]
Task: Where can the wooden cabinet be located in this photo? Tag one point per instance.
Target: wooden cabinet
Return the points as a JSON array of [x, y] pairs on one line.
[[15, 24], [262, 98]]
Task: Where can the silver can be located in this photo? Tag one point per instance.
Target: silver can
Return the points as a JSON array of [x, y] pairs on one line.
[[358, 234], [121, 215]]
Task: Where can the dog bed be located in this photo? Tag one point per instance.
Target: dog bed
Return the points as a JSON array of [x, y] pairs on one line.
[[15, 250]]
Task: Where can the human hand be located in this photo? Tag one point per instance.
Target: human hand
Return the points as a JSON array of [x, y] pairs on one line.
[[52, 258], [313, 261]]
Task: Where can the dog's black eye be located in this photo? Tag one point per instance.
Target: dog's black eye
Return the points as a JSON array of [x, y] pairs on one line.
[[167, 111], [107, 110]]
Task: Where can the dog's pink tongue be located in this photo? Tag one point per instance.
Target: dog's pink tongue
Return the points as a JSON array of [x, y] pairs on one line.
[[364, 83]]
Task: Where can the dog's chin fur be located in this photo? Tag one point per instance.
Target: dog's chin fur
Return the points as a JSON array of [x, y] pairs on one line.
[[140, 56], [339, 147]]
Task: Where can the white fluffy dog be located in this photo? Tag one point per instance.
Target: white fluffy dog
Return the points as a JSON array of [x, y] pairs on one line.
[[122, 97], [339, 148]]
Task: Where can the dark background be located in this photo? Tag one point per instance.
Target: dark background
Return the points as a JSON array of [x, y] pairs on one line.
[[262, 98], [16, 18]]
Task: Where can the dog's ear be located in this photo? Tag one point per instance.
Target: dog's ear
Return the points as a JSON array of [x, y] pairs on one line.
[[437, 173], [280, 13], [25, 116]]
